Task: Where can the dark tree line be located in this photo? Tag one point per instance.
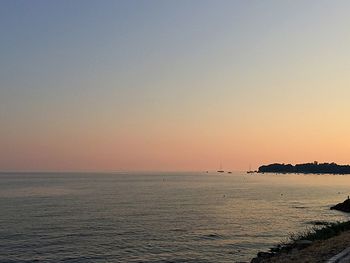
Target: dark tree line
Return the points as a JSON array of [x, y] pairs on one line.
[[306, 168]]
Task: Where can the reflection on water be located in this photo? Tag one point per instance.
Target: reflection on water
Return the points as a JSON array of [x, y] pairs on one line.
[[177, 217]]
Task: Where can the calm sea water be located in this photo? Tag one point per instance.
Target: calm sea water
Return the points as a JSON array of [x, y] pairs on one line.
[[158, 217]]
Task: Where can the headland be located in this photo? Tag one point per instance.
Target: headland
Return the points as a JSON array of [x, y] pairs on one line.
[[305, 168]]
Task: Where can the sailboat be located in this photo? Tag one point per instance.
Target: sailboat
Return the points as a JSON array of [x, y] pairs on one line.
[[250, 170], [221, 170]]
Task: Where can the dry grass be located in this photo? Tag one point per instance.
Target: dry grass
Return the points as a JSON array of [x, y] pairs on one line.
[[319, 251]]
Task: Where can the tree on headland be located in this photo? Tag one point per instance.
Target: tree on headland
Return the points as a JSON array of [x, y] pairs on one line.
[[306, 168]]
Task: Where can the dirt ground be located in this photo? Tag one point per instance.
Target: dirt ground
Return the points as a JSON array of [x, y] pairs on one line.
[[317, 252]]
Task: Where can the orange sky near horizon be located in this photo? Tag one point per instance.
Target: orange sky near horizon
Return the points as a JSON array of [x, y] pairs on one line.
[[173, 86]]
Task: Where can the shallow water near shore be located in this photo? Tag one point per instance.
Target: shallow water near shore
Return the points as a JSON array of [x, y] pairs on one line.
[[158, 217]]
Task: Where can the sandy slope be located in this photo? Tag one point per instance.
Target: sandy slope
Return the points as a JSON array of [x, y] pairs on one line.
[[319, 251]]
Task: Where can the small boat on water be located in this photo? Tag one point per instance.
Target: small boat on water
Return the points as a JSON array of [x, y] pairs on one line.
[[250, 171], [220, 170]]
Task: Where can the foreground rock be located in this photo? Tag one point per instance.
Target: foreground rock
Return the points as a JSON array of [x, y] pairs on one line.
[[344, 207]]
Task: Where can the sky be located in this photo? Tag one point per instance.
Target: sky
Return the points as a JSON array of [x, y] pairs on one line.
[[173, 85]]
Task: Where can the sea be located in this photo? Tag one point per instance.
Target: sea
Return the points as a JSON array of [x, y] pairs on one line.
[[159, 216]]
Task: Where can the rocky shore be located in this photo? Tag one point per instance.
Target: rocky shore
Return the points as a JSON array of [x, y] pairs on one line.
[[316, 252], [344, 206], [315, 246]]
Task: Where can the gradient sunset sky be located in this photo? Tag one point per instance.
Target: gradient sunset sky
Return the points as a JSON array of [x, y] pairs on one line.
[[173, 85]]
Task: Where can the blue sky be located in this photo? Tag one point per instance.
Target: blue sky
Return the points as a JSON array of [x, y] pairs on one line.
[[156, 76]]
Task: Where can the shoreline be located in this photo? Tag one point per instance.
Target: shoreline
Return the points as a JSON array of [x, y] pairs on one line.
[[316, 252], [318, 244]]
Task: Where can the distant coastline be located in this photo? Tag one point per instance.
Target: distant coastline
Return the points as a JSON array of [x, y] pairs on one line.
[[305, 168]]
